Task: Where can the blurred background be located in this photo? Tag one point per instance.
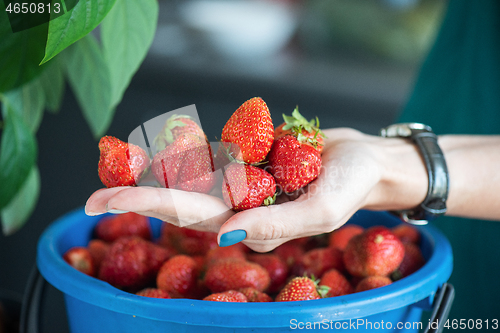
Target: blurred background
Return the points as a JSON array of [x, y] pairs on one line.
[[349, 62]]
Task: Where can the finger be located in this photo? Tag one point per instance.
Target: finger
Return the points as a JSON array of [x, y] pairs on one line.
[[96, 204], [187, 207], [274, 224]]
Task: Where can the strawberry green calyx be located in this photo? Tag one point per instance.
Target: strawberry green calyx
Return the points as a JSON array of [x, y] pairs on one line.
[[269, 200], [322, 290], [297, 123], [175, 126]]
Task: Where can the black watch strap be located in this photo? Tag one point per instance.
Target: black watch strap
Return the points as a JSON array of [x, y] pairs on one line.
[[437, 193]]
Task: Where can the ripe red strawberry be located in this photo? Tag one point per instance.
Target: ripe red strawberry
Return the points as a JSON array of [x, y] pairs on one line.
[[236, 274], [121, 163], [251, 129], [186, 165], [98, 250], [340, 237], [112, 227], [187, 241], [245, 187], [221, 253], [307, 132], [174, 127], [127, 264], [315, 262], [153, 292], [372, 282], [289, 252], [227, 296], [277, 269], [293, 164], [412, 261], [407, 233], [81, 259], [300, 289], [253, 295], [336, 282], [377, 251], [158, 255], [179, 277]]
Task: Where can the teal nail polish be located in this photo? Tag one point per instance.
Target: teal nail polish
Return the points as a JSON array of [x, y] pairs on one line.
[[232, 237]]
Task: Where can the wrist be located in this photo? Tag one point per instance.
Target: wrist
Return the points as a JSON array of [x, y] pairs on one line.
[[404, 181]]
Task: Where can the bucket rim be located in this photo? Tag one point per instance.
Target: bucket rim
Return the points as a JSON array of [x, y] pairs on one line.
[[415, 288]]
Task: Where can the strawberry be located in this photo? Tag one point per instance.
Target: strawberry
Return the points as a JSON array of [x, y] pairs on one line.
[[158, 255], [185, 165], [98, 250], [300, 289], [372, 282], [179, 277], [407, 233], [277, 269], [126, 265], [340, 237], [317, 261], [336, 282], [121, 163], [251, 129], [412, 261], [153, 292], [187, 241], [81, 259], [293, 164], [221, 253], [377, 251], [236, 274], [307, 132], [253, 295], [289, 252], [174, 127], [245, 187], [227, 296], [112, 227]]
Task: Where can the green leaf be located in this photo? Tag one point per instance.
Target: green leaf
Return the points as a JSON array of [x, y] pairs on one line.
[[20, 53], [17, 155], [28, 102], [127, 33], [20, 208], [75, 24], [52, 82], [89, 78]]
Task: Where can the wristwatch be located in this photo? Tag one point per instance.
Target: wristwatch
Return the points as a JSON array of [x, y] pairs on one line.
[[437, 193]]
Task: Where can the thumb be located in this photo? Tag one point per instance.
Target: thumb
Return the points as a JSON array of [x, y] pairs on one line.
[[264, 228]]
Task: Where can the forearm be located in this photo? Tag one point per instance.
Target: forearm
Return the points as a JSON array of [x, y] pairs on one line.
[[474, 169]]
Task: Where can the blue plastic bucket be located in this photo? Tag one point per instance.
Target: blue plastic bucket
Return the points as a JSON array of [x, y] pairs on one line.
[[95, 306]]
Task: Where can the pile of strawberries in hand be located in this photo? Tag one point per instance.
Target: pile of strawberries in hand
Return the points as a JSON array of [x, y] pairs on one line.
[[258, 161], [184, 263]]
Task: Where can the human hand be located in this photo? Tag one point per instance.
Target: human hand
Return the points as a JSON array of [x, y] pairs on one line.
[[358, 171]]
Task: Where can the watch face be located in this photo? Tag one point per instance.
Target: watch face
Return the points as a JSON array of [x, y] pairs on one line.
[[403, 130]]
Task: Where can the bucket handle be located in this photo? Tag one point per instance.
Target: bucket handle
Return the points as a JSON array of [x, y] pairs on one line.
[[441, 309], [32, 300]]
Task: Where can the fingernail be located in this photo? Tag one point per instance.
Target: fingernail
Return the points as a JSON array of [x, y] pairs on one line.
[[115, 211], [232, 237], [90, 213]]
